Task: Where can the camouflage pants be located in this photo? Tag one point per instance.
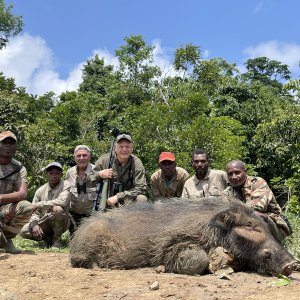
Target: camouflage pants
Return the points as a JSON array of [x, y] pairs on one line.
[[14, 216], [276, 231], [53, 225]]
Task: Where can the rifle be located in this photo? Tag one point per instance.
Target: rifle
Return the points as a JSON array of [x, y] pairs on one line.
[[103, 187]]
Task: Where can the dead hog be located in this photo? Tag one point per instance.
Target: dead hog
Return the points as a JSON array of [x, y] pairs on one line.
[[179, 234]]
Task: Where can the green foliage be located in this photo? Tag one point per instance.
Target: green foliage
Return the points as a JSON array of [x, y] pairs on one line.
[[250, 116], [165, 127], [10, 25], [96, 77], [269, 72], [136, 69], [34, 246], [282, 280], [187, 58], [293, 241]]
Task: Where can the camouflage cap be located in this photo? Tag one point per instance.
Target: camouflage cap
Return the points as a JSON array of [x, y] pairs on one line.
[[7, 134]]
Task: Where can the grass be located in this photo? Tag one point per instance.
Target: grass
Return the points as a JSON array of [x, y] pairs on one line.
[[35, 246], [293, 241]]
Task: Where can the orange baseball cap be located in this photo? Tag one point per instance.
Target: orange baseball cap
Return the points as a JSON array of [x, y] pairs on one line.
[[166, 156]]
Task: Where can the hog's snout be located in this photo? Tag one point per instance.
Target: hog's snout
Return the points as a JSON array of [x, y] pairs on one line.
[[289, 268]]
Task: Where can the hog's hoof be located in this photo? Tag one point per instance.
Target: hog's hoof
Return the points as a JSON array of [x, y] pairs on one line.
[[191, 262], [219, 258]]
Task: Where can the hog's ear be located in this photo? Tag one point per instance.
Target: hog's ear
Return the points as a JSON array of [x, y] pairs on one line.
[[224, 220]]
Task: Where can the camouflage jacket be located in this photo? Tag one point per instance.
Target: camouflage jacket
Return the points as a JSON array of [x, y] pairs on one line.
[[256, 193], [9, 184]]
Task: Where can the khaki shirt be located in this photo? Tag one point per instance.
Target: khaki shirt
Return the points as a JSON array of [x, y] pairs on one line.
[[213, 184], [58, 196], [256, 193], [9, 185], [131, 175], [161, 188], [82, 203]]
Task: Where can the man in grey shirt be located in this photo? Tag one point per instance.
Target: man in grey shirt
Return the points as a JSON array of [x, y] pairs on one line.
[[83, 187], [206, 182], [52, 201]]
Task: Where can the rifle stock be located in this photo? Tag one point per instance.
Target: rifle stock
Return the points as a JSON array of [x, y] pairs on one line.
[[104, 187], [104, 195]]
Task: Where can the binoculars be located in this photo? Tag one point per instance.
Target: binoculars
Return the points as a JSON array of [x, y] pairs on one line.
[[81, 188], [117, 187]]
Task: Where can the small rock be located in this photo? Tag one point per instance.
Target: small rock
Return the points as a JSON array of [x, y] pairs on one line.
[[154, 286], [160, 269]]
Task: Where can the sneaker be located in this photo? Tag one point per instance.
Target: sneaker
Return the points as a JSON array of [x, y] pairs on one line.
[[10, 248]]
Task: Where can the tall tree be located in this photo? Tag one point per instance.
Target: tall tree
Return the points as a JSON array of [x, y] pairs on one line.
[[96, 76], [187, 59], [269, 72], [10, 25], [136, 69]]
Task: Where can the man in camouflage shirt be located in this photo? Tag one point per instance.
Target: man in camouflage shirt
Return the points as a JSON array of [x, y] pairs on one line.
[[126, 176], [52, 201], [255, 192], [168, 181], [83, 188], [14, 210]]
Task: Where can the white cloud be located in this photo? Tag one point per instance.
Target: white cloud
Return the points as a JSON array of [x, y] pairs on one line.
[[286, 53], [31, 62]]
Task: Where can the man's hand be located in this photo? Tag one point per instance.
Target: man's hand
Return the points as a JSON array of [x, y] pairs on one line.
[[112, 201], [106, 173], [264, 216], [42, 205], [37, 232]]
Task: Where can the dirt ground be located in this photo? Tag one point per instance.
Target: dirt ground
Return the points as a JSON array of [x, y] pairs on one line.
[[45, 275]]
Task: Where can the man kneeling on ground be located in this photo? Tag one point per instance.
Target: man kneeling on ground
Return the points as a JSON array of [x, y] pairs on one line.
[[52, 201]]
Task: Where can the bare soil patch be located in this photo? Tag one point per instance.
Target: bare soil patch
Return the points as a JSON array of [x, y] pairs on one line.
[[45, 275]]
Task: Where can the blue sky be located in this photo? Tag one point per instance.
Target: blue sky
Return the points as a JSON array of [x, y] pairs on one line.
[[60, 35]]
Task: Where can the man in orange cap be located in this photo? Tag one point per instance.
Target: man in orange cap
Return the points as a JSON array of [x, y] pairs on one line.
[[169, 180], [14, 210]]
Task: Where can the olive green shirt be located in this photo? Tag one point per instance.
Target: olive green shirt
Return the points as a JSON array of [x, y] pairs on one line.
[[131, 175], [161, 187]]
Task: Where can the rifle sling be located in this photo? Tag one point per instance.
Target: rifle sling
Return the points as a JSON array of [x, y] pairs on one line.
[[12, 173]]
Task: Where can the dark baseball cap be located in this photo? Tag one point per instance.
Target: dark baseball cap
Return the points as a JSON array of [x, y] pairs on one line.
[[7, 134]]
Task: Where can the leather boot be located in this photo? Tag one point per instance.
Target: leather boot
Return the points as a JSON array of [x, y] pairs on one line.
[[9, 247]]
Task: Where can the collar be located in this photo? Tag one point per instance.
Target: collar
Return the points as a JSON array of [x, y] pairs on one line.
[[55, 188], [205, 178]]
